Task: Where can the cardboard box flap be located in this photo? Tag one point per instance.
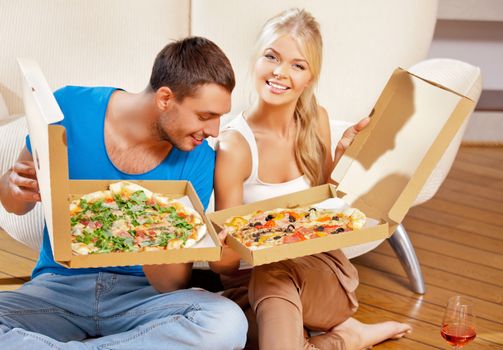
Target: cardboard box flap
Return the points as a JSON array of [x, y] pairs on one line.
[[41, 110], [37, 86], [411, 125]]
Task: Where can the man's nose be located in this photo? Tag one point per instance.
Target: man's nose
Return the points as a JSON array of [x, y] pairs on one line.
[[212, 127]]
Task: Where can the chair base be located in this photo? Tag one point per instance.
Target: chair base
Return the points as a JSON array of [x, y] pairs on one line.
[[403, 248]]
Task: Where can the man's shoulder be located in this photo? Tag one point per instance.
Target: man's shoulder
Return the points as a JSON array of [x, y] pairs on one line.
[[197, 160], [70, 92], [204, 150]]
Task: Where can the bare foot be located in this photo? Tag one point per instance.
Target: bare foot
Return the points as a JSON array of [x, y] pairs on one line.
[[358, 336]]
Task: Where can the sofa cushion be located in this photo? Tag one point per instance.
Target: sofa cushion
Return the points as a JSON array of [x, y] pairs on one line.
[[4, 112]]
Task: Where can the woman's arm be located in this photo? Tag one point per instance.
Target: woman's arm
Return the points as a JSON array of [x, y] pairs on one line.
[[233, 167], [346, 140], [324, 132]]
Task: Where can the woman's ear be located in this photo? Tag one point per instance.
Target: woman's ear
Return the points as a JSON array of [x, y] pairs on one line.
[[164, 98]]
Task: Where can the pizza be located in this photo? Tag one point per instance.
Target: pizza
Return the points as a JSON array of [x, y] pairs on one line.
[[129, 218], [263, 229]]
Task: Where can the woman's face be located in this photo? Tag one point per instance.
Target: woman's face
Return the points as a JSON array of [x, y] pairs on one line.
[[282, 72]]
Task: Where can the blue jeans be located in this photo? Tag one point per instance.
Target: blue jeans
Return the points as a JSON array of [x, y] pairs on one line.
[[116, 312]]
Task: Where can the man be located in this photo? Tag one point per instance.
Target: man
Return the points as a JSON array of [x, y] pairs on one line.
[[157, 134]]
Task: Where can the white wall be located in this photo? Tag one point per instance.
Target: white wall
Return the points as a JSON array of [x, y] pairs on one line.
[[477, 42], [472, 31]]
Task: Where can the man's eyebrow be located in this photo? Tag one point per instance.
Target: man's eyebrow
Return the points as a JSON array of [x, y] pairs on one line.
[[212, 114]]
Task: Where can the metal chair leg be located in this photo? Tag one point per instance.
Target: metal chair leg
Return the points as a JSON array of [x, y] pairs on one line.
[[403, 248]]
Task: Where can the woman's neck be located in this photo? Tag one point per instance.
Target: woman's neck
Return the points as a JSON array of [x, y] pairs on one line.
[[273, 118]]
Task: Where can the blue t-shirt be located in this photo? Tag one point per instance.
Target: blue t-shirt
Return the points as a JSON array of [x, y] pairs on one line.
[[84, 110]]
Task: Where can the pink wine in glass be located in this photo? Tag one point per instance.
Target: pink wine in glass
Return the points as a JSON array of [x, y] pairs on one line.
[[458, 335]]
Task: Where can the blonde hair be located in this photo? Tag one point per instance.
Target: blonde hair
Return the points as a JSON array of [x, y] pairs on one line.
[[310, 151]]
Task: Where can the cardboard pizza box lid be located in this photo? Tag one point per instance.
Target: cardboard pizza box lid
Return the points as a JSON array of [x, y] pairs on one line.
[[41, 110], [388, 163]]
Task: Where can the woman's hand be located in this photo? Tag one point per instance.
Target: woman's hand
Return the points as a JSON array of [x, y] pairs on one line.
[[347, 138], [229, 261]]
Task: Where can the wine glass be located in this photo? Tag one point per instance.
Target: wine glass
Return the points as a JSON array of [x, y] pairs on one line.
[[458, 325]]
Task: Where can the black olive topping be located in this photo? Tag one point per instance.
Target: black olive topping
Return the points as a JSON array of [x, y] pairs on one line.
[[336, 218], [277, 237], [291, 218], [290, 228], [258, 223], [312, 209], [320, 229], [340, 229], [269, 217]]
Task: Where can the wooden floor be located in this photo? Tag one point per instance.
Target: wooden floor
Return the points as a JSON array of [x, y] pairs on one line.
[[458, 237]]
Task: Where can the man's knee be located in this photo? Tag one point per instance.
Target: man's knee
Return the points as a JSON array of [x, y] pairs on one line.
[[229, 327], [3, 328]]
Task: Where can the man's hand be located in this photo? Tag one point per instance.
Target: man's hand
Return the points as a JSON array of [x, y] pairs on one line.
[[347, 138], [22, 182], [19, 186], [168, 277]]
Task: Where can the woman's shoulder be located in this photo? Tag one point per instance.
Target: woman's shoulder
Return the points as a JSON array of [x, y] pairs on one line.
[[323, 121], [235, 136], [231, 139], [234, 157], [322, 114]]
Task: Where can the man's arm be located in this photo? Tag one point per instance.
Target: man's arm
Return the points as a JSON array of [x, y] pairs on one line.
[[19, 186], [169, 277]]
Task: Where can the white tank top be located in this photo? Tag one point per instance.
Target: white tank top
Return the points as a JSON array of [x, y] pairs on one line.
[[253, 188]]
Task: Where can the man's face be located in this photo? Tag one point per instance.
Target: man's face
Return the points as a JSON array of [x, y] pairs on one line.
[[187, 123]]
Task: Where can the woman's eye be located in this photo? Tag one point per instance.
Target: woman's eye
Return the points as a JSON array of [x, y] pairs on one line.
[[299, 67], [270, 57]]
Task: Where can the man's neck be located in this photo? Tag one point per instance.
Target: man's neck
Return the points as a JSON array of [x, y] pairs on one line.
[[131, 141]]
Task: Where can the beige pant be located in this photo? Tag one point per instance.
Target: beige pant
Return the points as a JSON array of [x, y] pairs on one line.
[[289, 296]]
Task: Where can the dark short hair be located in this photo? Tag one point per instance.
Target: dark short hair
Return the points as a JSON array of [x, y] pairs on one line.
[[187, 64]]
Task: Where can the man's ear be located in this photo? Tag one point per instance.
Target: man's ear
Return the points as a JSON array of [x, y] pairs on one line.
[[164, 98]]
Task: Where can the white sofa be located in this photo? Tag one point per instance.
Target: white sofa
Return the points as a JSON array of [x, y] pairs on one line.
[[114, 43]]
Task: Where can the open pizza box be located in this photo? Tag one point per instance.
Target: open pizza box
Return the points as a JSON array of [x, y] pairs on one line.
[[49, 152], [381, 173]]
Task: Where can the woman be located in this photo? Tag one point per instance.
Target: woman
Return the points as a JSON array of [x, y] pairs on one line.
[[282, 145]]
